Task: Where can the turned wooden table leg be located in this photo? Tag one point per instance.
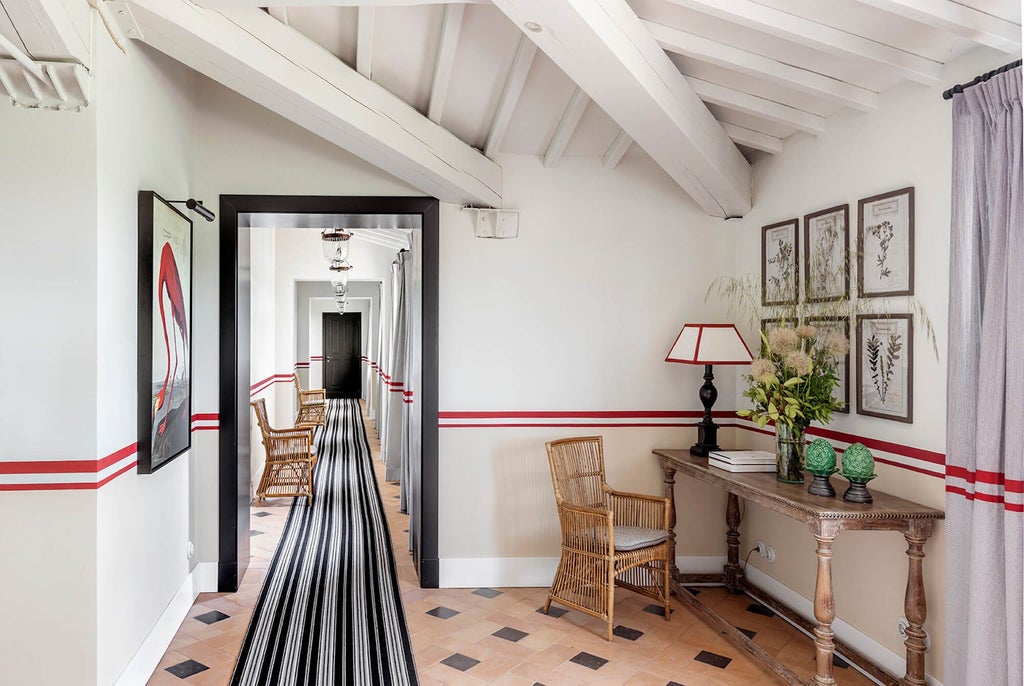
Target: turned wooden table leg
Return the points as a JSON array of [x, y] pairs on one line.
[[670, 493], [914, 604], [824, 604], [733, 571]]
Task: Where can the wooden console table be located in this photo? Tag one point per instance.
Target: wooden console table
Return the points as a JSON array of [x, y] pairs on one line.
[[826, 517]]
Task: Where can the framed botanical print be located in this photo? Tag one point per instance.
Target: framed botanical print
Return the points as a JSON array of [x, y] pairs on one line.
[[165, 333], [780, 266], [885, 366], [826, 254], [885, 244], [825, 326]]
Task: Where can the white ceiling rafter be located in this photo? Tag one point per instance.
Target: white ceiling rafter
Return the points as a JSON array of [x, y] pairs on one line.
[[525, 52], [275, 66], [616, 150], [743, 61], [250, 4], [450, 29], [385, 238], [980, 27], [605, 49], [566, 127], [279, 13], [364, 42], [757, 106], [819, 36], [754, 139]]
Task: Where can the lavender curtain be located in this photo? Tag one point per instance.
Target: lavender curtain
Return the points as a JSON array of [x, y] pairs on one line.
[[985, 414]]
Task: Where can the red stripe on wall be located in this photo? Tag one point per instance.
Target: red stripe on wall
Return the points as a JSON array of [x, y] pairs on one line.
[[553, 425], [586, 414], [205, 415]]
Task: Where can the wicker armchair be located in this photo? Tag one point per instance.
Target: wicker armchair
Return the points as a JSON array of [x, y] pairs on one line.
[[311, 404], [291, 458], [609, 538]]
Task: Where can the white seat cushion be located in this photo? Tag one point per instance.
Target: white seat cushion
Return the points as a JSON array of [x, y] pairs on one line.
[[633, 537]]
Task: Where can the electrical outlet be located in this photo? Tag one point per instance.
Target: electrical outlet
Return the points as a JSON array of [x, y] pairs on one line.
[[190, 549], [764, 550]]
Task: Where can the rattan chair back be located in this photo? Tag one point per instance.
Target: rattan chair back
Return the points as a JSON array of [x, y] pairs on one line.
[[577, 471]]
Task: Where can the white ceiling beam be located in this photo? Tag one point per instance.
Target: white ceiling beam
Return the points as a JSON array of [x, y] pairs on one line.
[[757, 106], [364, 41], [275, 66], [605, 49], [279, 13], [566, 127], [382, 239], [746, 62], [753, 139], [616, 150], [250, 4], [818, 36], [525, 52], [954, 17], [52, 30], [450, 30]]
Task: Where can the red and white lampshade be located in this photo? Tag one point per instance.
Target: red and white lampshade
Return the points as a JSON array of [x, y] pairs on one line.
[[709, 344]]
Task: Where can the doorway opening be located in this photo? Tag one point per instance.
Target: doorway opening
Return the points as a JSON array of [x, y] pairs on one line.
[[239, 216]]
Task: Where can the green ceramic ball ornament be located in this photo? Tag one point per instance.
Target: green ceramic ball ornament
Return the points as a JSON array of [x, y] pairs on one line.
[[859, 468], [821, 458], [858, 463]]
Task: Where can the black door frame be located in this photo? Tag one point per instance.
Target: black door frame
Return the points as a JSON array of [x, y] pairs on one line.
[[234, 414], [325, 317]]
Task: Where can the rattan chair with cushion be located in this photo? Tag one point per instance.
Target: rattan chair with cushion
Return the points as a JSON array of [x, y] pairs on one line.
[[609, 538], [291, 459], [311, 404]]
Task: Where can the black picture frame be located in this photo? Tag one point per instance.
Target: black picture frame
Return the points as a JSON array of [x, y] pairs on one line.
[[875, 240], [872, 389], [845, 385], [819, 267], [164, 405], [771, 285]]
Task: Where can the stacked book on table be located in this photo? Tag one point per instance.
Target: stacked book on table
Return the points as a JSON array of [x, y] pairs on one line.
[[742, 460]]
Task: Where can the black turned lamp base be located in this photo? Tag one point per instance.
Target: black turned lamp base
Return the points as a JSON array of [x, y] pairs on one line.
[[858, 493], [707, 430], [821, 486]]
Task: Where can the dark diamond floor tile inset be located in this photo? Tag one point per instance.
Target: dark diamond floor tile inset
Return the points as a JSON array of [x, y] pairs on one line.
[[553, 611], [840, 662], [749, 633], [589, 661], [674, 683], [184, 670], [713, 659], [260, 514], [656, 610], [442, 612], [487, 592], [692, 589], [759, 609], [212, 617], [460, 662], [627, 633], [510, 634]]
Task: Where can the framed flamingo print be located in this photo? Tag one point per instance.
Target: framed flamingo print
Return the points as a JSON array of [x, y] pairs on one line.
[[165, 333]]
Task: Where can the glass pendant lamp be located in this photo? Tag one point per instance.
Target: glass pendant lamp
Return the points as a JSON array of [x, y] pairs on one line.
[[335, 244]]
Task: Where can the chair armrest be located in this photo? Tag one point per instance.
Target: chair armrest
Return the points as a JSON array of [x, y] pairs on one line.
[[316, 396], [297, 432], [635, 509], [587, 530]]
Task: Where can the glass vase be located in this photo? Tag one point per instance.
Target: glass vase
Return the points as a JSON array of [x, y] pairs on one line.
[[789, 453]]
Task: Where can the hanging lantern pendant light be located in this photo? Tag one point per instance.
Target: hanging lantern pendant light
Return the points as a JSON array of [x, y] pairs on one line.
[[335, 243]]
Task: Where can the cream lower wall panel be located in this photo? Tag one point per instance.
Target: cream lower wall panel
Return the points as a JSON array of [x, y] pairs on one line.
[[48, 588], [497, 501], [535, 572]]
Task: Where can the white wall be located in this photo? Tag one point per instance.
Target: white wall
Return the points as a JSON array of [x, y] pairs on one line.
[[262, 339], [906, 143]]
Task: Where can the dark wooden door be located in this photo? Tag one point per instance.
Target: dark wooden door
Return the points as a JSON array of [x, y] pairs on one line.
[[342, 348]]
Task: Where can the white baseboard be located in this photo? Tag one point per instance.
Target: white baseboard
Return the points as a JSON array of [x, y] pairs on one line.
[[533, 572], [886, 659], [202, 579]]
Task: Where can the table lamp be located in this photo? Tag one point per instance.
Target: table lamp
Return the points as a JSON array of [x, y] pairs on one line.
[[708, 344]]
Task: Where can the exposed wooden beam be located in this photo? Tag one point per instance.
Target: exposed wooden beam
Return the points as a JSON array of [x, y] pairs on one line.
[[757, 106], [525, 52], [818, 36], [275, 66], [566, 127], [744, 61], [605, 49], [753, 139], [364, 42], [980, 27], [249, 4], [450, 30], [279, 13], [52, 30], [616, 150]]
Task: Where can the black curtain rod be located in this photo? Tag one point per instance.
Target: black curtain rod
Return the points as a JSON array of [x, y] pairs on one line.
[[948, 95]]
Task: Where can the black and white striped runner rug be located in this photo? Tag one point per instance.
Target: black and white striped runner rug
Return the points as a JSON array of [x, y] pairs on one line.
[[330, 613]]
